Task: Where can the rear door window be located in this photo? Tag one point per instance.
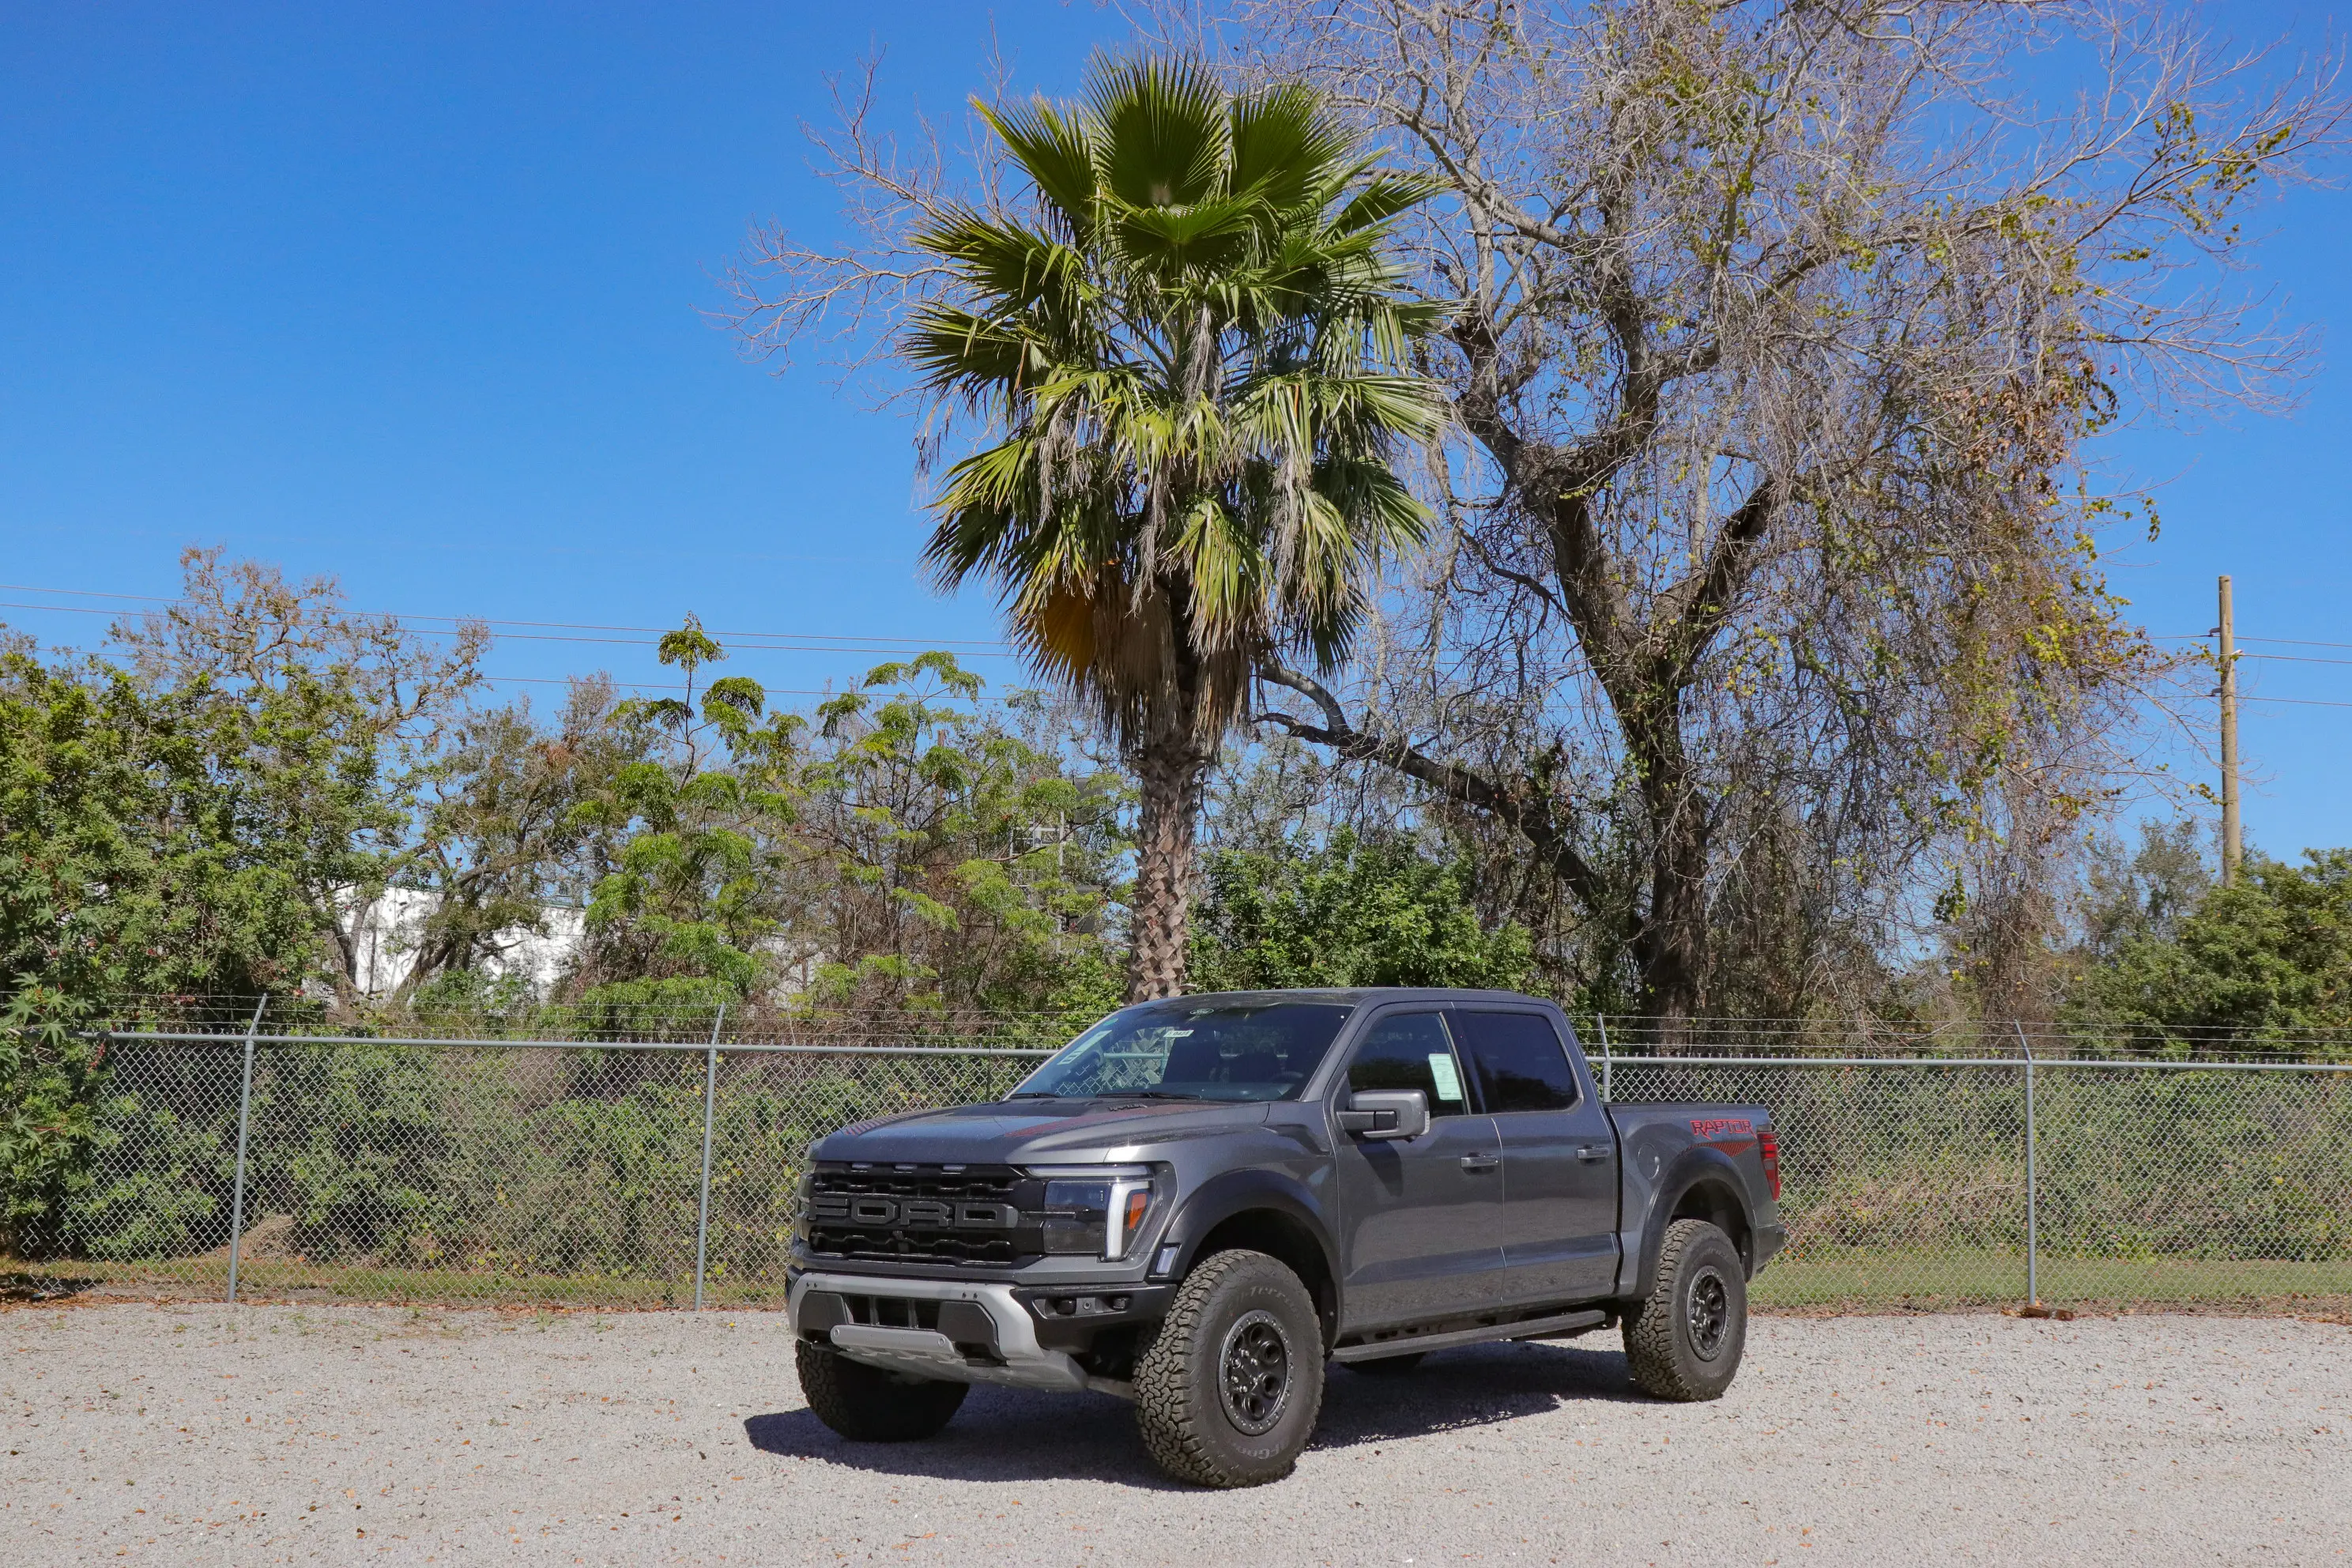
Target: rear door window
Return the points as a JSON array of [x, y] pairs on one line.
[[1520, 1060]]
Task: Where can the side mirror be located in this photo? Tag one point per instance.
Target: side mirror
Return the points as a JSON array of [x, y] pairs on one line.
[[1385, 1113]]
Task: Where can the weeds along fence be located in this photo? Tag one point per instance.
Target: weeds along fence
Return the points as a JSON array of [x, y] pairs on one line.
[[1928, 1168]]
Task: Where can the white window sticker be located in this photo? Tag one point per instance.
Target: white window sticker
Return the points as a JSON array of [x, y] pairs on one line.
[[1449, 1082]]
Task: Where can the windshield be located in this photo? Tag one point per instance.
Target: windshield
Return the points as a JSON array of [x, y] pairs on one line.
[[1194, 1050]]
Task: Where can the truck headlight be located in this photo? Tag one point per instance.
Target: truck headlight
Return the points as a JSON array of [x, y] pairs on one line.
[[1100, 1214]]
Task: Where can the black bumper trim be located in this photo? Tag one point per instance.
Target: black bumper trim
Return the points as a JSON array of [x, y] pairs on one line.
[[1069, 1317]]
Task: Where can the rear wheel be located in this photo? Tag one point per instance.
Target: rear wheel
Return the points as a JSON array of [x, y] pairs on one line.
[[1227, 1393], [866, 1405], [1685, 1340]]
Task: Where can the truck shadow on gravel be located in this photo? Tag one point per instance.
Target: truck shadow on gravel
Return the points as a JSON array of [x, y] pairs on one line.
[[1010, 1434]]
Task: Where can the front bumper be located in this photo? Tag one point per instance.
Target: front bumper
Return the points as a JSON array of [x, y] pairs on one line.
[[952, 1330]]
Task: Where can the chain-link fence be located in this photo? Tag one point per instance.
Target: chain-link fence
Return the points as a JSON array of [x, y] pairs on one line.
[[1945, 1169], [1931, 1182]]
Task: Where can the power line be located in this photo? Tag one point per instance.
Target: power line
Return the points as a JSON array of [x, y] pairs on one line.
[[2284, 658], [487, 679], [2294, 658], [2293, 642], [2282, 642], [814, 638], [679, 686], [642, 685]]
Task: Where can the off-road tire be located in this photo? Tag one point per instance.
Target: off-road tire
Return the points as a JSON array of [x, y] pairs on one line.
[[1388, 1365], [1685, 1342], [867, 1405], [1235, 1308]]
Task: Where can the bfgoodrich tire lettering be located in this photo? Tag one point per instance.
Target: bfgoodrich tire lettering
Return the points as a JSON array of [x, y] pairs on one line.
[[1685, 1340], [866, 1405], [1227, 1393]]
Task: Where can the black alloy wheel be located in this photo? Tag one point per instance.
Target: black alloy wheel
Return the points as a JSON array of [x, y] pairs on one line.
[[1256, 1373], [1710, 1312]]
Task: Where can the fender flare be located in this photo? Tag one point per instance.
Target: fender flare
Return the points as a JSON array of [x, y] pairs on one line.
[[1702, 1162], [1223, 1196]]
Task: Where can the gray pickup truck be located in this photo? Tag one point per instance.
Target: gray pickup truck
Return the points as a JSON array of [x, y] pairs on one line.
[[1200, 1202]]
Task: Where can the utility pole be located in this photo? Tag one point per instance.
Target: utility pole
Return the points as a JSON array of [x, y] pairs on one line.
[[2229, 659]]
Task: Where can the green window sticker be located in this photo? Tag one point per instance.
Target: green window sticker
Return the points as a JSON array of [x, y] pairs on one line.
[[1449, 1081]]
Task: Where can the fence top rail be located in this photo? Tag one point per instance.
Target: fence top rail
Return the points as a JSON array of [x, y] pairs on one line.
[[2012, 1064], [219, 1037], [789, 1022], [728, 1048]]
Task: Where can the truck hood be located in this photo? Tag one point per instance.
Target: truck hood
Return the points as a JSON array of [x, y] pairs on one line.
[[1034, 1131]]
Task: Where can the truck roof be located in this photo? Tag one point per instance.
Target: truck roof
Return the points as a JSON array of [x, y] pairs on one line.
[[1353, 994]]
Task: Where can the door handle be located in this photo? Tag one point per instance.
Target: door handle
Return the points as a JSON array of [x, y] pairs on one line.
[[1476, 1162], [1594, 1152]]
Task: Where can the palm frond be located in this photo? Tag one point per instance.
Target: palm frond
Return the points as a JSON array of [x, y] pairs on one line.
[[1162, 136], [1287, 150], [1052, 149]]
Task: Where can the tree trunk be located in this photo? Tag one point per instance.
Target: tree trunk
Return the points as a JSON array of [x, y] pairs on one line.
[[1671, 950], [1171, 770]]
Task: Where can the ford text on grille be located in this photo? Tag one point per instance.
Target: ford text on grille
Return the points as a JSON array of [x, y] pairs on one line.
[[927, 1213]]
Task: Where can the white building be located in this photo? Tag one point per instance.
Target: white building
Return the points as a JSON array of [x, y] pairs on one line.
[[386, 931]]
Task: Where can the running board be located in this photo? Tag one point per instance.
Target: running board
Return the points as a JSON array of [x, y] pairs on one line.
[[1524, 1329]]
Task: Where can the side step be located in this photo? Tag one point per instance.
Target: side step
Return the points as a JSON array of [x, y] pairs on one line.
[[1524, 1329]]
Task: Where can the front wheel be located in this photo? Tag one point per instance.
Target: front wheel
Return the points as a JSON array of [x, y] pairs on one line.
[[1685, 1340], [1227, 1393], [867, 1405]]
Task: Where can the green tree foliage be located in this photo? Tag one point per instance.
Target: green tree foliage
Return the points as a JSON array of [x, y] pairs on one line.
[[680, 916], [210, 816], [505, 841], [317, 730], [908, 850], [2144, 896], [1352, 912], [2267, 959], [129, 862], [962, 859]]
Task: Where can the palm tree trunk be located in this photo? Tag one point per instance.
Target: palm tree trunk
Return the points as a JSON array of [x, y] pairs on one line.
[[1170, 772]]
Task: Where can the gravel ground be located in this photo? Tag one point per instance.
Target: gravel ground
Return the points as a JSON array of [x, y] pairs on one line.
[[342, 1435]]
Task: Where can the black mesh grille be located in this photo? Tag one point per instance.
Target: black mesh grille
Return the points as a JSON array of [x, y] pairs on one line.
[[920, 1242]]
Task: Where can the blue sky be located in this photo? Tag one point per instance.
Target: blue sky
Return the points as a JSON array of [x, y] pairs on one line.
[[413, 295]]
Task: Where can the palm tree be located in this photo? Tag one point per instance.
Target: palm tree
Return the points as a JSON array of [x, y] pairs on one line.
[[1189, 353]]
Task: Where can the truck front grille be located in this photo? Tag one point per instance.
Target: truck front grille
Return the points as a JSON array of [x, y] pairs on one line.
[[970, 1216]]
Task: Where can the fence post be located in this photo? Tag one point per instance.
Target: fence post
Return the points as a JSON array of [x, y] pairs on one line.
[[710, 1099], [1608, 1077], [244, 1121], [2033, 1184]]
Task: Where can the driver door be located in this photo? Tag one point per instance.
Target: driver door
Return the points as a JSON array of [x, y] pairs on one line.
[[1421, 1219]]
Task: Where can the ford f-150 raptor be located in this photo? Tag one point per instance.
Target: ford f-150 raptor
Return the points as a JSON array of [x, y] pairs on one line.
[[1200, 1202]]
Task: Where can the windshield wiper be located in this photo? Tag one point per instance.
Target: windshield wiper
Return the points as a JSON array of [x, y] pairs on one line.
[[1037, 1094], [1149, 1094]]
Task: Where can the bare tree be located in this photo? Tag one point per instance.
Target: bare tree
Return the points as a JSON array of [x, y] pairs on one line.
[[1777, 332]]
